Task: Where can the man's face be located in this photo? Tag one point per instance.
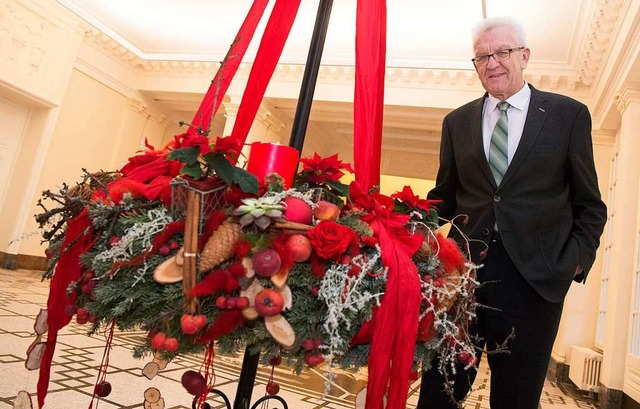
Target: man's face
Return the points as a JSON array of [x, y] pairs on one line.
[[501, 79]]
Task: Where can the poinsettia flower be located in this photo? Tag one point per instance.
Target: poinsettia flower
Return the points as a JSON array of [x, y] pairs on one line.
[[229, 145], [407, 197], [320, 170], [201, 142]]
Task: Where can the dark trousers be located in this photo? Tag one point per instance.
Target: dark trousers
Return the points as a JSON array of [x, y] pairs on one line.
[[517, 376]]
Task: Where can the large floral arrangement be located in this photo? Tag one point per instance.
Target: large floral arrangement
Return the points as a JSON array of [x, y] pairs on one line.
[[294, 273]]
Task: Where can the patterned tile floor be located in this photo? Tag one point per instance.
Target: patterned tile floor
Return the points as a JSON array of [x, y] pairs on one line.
[[77, 359]]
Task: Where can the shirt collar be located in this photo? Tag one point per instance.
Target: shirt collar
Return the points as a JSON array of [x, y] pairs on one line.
[[517, 100]]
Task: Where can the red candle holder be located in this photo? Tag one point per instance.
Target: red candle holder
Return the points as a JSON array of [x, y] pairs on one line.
[[267, 158]]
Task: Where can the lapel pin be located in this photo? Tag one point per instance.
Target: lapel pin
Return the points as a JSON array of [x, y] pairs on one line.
[[542, 110]]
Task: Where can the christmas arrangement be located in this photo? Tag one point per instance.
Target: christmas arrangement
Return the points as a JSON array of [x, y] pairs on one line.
[[292, 267]]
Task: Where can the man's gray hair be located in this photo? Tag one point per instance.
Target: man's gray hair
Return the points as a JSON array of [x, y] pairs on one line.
[[503, 21]]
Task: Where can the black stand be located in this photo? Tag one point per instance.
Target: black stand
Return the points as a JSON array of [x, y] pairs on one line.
[[250, 361]]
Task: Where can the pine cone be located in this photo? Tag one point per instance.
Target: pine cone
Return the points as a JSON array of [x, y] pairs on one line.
[[219, 245]]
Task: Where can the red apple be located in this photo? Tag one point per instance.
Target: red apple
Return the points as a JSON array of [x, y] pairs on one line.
[[326, 211], [273, 388], [297, 210], [157, 342], [300, 247], [242, 303], [171, 344], [188, 324], [103, 389], [266, 262], [269, 302]]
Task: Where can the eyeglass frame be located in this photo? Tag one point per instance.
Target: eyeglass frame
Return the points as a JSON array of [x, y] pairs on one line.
[[475, 60]]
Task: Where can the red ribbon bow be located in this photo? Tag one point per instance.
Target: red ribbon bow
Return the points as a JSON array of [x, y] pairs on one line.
[[396, 323]]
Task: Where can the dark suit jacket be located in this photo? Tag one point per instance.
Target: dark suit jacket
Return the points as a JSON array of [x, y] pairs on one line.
[[548, 206]]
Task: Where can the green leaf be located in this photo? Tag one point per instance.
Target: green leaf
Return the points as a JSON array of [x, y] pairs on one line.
[[194, 170], [224, 170], [186, 155], [340, 188], [247, 181]]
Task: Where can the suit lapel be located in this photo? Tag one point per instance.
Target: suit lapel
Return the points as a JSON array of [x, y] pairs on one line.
[[536, 116], [475, 127]]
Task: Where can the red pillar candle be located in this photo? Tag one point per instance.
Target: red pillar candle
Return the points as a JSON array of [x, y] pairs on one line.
[[266, 158]]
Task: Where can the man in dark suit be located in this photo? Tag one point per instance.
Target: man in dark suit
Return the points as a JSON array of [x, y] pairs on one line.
[[519, 163]]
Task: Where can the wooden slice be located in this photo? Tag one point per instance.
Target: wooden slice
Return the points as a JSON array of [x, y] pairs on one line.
[[23, 401], [155, 405], [168, 272], [279, 279], [247, 263], [180, 257], [152, 395], [34, 355], [150, 370], [250, 313], [280, 330], [40, 325], [161, 362], [288, 297], [361, 399]]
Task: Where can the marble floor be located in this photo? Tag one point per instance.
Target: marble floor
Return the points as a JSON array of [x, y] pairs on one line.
[[77, 359]]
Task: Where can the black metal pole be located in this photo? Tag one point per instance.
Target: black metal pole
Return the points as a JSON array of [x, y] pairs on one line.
[[251, 360], [310, 76]]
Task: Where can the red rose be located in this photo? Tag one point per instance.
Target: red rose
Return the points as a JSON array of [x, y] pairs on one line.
[[331, 240]]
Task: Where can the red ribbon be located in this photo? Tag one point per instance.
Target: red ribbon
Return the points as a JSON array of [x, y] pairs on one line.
[[220, 83], [396, 322], [273, 40], [77, 240], [368, 104]]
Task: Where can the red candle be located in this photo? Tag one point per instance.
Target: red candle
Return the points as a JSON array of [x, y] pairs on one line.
[[266, 158]]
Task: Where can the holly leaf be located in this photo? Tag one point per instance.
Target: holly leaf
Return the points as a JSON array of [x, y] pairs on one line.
[[194, 170], [224, 170], [247, 181], [186, 155]]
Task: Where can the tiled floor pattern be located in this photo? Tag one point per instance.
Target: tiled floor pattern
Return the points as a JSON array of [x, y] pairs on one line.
[[77, 359]]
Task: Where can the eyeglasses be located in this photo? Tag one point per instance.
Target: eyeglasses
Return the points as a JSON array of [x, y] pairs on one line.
[[499, 56]]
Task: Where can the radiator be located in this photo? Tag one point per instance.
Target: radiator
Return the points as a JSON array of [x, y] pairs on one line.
[[584, 368]]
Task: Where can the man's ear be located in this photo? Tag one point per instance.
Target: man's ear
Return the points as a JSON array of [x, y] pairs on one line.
[[526, 53]]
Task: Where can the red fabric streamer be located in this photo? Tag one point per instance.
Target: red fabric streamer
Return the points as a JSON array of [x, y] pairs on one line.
[[219, 280], [396, 321], [368, 103], [273, 40], [77, 240], [220, 83]]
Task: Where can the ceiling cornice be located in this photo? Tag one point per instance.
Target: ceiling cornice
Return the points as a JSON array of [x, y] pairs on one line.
[[567, 78]]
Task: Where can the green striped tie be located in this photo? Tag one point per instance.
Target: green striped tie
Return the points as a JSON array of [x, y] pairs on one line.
[[498, 160]]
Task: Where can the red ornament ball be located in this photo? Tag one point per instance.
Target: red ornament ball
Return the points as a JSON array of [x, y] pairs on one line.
[[273, 388], [103, 389], [193, 382]]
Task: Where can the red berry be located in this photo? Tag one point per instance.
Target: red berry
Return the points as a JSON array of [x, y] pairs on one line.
[[231, 303], [221, 302], [200, 320], [193, 382], [82, 316], [307, 344], [317, 343], [70, 310], [276, 360], [313, 359], [171, 344], [315, 290], [173, 245], [164, 250], [113, 240], [157, 342], [242, 302], [273, 388]]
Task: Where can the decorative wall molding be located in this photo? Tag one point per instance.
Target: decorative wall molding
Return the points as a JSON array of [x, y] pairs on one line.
[[143, 109], [630, 93]]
